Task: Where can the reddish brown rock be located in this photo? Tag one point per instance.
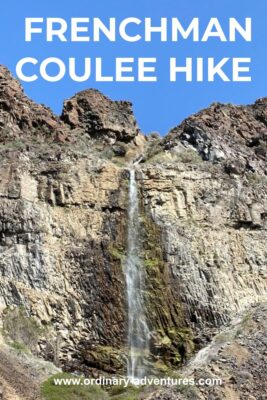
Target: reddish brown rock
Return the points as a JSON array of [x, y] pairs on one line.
[[20, 116], [101, 117]]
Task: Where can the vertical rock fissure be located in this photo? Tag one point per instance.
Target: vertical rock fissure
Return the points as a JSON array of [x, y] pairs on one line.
[[138, 331]]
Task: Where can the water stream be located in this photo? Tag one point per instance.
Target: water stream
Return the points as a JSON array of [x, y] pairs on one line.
[[138, 331]]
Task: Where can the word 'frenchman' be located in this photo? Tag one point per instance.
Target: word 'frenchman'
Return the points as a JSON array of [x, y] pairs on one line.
[[134, 29]]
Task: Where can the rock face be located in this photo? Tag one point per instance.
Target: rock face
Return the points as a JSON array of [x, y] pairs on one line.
[[20, 117], [232, 365], [237, 356], [63, 224], [100, 117], [236, 135], [213, 229], [88, 115], [60, 230]]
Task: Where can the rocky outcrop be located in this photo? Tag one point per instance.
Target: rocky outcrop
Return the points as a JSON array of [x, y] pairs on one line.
[[86, 116], [236, 135], [236, 356], [101, 117], [231, 367], [20, 117], [63, 224]]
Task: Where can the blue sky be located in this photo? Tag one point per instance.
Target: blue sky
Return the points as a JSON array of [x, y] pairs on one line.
[[157, 106]]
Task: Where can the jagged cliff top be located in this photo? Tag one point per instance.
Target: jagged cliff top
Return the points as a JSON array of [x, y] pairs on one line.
[[89, 110], [222, 133], [19, 115], [225, 132], [96, 114]]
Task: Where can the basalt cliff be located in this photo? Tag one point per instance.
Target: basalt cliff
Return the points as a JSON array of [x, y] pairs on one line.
[[64, 184]]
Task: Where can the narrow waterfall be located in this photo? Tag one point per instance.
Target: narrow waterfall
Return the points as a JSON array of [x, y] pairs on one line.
[[138, 332]]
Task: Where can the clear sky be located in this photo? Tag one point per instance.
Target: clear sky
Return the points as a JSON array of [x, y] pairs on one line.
[[157, 106]]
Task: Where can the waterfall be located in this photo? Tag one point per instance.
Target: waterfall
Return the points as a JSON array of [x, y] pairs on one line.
[[138, 332]]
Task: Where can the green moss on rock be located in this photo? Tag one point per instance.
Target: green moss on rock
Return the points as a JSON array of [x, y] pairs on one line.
[[105, 358], [171, 340], [116, 252]]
